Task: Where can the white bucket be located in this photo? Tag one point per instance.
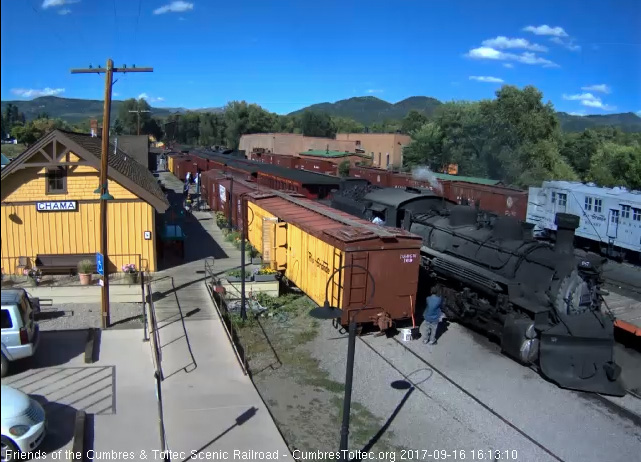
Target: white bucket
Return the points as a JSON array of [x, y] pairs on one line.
[[406, 334]]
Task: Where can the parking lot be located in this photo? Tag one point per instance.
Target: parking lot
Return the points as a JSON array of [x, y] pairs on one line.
[[116, 391]]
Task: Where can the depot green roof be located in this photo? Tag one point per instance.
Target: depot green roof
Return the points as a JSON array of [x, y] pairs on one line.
[[467, 179], [326, 153]]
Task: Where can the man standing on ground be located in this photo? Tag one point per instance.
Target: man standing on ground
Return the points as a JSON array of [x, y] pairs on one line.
[[432, 316]]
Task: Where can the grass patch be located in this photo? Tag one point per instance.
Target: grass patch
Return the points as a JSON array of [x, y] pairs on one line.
[[13, 150]]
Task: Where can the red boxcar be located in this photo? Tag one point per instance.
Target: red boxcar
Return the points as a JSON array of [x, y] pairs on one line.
[[182, 166], [317, 165], [375, 176], [495, 199]]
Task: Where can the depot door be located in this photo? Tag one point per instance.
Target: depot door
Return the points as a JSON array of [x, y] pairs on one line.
[[613, 223]]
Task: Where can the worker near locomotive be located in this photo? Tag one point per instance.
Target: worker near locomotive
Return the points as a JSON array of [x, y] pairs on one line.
[[541, 301]]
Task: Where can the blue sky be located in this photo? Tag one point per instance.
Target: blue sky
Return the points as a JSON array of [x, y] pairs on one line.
[[585, 55]]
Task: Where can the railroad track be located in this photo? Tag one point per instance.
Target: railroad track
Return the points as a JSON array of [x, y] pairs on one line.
[[461, 388], [606, 401]]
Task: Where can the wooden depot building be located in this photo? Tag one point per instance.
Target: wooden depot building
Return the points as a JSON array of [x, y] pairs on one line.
[[50, 207]]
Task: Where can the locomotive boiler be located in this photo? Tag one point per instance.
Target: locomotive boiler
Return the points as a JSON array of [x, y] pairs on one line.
[[539, 300]]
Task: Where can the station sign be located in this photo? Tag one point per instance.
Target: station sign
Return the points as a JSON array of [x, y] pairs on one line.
[[57, 206]]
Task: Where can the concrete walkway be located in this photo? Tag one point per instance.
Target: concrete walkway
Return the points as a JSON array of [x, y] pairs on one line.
[[209, 404]]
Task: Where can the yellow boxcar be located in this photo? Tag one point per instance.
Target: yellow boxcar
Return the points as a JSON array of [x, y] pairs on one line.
[[329, 255]]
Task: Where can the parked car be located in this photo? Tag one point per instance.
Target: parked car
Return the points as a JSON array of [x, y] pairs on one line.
[[20, 332], [23, 424]]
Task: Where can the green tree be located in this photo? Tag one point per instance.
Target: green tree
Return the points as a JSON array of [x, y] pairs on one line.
[[413, 121], [426, 148], [347, 125], [129, 120], [616, 165], [317, 124], [242, 118]]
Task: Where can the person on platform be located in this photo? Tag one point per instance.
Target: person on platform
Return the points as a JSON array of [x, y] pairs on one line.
[[431, 317]]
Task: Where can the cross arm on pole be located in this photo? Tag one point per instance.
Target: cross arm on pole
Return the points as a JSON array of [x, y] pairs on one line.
[[102, 70]]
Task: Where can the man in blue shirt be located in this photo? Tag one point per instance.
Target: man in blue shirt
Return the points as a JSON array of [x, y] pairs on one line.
[[432, 316]]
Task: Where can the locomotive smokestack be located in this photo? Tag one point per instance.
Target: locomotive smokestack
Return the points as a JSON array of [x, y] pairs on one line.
[[566, 224]]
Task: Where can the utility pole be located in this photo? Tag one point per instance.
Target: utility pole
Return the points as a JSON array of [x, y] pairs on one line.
[[103, 188], [138, 112]]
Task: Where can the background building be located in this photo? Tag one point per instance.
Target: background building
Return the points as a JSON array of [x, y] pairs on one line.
[[291, 143], [49, 206], [385, 149]]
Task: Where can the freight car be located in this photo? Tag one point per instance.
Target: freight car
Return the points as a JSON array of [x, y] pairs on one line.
[[309, 242]]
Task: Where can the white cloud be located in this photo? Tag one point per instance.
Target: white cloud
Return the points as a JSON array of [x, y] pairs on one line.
[[546, 30], [64, 11], [589, 100], [151, 99], [374, 91], [34, 93], [175, 7], [567, 43], [579, 113], [488, 79], [508, 65], [597, 103], [580, 97], [49, 3], [601, 88], [505, 42], [525, 57]]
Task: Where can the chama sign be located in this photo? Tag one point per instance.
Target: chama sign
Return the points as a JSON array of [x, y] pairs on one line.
[[57, 206]]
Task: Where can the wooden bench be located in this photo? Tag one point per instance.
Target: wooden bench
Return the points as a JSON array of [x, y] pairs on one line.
[[63, 264]]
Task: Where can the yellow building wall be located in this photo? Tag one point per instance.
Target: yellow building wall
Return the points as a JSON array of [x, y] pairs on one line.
[[27, 232], [30, 185]]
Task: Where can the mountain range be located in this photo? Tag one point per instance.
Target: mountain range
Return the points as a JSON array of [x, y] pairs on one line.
[[78, 110], [366, 110]]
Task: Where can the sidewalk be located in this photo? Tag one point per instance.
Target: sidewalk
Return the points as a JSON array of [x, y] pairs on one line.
[[209, 404]]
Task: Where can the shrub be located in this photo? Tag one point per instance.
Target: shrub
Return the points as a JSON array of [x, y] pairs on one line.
[[237, 273], [85, 266]]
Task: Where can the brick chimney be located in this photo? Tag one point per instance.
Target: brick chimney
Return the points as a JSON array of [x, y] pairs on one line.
[[93, 124]]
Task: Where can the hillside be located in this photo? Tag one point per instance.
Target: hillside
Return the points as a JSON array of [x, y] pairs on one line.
[[368, 110], [79, 110]]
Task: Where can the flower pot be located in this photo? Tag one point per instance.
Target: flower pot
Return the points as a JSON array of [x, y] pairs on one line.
[[264, 277], [85, 279], [131, 278]]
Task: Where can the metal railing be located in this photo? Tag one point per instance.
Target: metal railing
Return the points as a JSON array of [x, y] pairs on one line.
[[151, 325], [231, 321]]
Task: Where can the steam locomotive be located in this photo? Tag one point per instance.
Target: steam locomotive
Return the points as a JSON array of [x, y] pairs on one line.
[[540, 300]]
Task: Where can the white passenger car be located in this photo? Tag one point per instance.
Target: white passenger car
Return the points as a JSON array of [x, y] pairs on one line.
[[23, 424], [610, 217]]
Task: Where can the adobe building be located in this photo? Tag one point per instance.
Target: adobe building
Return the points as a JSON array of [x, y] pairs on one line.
[[384, 149], [50, 207], [291, 143]]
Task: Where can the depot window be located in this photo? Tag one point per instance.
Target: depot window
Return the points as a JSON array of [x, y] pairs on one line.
[[588, 203], [597, 205], [636, 214], [563, 199], [56, 181], [625, 211]]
